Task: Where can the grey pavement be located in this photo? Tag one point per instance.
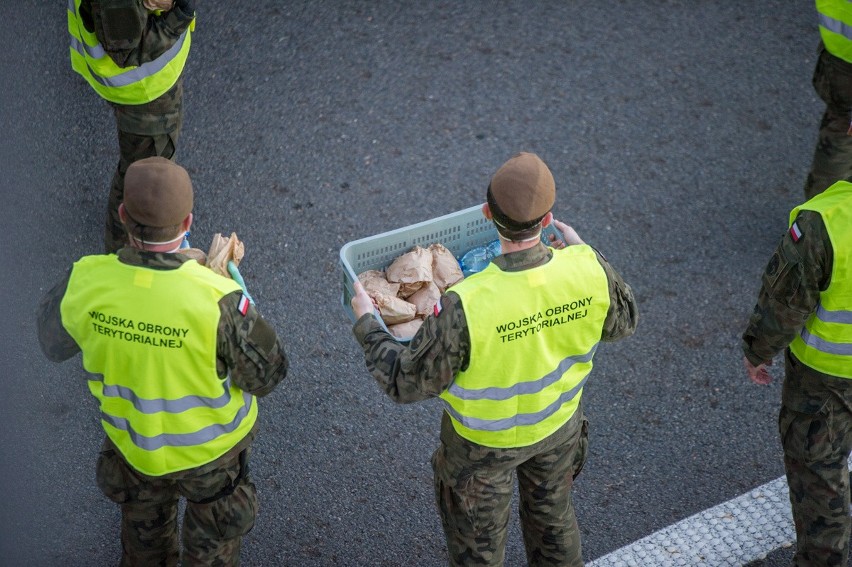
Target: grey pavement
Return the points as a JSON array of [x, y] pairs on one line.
[[679, 133]]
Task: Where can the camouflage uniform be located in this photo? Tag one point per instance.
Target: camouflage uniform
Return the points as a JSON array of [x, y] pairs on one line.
[[221, 499], [815, 422], [144, 130], [832, 160], [474, 483]]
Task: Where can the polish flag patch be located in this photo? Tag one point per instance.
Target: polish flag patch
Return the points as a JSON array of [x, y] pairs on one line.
[[437, 309], [795, 232], [243, 305]]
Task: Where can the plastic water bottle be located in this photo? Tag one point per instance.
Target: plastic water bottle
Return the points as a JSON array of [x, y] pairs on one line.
[[494, 249], [477, 259]]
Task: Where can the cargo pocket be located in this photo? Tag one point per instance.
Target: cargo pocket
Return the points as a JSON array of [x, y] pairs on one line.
[[166, 145], [457, 498], [254, 353], [807, 438], [233, 515], [111, 476], [122, 23]]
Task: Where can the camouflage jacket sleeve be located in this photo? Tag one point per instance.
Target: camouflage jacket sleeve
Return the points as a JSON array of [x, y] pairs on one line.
[[622, 316], [126, 46], [791, 285], [425, 367], [56, 344], [248, 348]]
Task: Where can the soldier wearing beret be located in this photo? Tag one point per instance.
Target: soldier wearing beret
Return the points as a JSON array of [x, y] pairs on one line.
[[804, 308], [177, 357], [132, 53], [508, 351]]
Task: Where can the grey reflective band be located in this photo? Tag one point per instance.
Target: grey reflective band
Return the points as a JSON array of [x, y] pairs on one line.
[[521, 388], [835, 26], [130, 76], [518, 419], [94, 51], [822, 345], [199, 437], [150, 406], [827, 316]]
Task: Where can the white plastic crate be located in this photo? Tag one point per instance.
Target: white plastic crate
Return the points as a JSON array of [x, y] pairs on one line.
[[458, 232]]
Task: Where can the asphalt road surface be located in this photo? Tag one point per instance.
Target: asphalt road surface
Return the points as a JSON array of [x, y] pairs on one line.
[[679, 133]]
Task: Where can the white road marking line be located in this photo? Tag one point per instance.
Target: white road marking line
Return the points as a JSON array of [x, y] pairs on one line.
[[736, 532], [732, 533]]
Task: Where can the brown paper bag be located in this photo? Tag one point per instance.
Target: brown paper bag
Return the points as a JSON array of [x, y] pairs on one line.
[[411, 270], [375, 283], [445, 268], [395, 310], [223, 250], [425, 298]]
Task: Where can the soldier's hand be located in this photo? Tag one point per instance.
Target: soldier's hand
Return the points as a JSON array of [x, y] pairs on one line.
[[164, 5], [361, 302], [569, 235], [758, 374]]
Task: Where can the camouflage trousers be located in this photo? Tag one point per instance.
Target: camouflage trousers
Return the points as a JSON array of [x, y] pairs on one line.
[[144, 130], [815, 424], [832, 159], [473, 490], [220, 508]]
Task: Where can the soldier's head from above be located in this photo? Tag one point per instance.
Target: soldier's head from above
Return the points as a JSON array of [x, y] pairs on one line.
[[520, 196], [157, 206]]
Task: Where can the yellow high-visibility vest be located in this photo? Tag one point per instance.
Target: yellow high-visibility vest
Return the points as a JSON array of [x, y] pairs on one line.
[[148, 338], [825, 342], [835, 27], [124, 85], [533, 334]]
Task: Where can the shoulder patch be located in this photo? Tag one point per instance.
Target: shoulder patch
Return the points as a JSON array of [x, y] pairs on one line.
[[438, 308], [243, 305], [796, 233]]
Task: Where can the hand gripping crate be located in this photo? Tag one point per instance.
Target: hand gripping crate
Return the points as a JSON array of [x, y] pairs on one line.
[[458, 232]]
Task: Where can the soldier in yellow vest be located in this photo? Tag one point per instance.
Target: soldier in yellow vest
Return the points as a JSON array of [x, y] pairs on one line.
[[132, 53], [832, 81], [508, 351], [177, 357], [805, 308]]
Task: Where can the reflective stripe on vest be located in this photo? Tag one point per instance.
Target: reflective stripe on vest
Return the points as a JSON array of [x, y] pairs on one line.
[[518, 420], [835, 27], [530, 357], [149, 338], [825, 342], [130, 85], [194, 438], [171, 406]]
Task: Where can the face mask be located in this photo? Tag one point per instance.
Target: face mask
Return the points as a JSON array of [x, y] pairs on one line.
[[181, 238]]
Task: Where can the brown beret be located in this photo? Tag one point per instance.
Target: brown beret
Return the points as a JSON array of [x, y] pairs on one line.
[[157, 192], [523, 188]]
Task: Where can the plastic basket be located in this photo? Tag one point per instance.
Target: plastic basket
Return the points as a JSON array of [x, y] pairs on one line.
[[458, 232]]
